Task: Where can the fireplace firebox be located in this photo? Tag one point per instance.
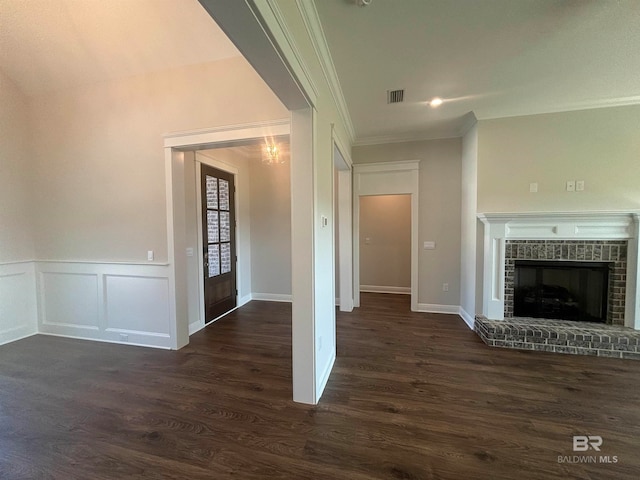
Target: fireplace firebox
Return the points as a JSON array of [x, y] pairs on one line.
[[567, 290]]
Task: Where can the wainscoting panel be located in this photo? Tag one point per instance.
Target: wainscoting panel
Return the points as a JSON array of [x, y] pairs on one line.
[[18, 314], [70, 300], [137, 306], [122, 303]]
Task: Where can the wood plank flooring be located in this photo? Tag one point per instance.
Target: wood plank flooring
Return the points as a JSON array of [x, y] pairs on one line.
[[412, 396]]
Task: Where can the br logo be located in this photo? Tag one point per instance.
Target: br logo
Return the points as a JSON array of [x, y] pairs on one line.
[[582, 443]]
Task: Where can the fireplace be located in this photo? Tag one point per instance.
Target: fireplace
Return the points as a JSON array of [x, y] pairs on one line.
[[582, 280], [580, 237], [564, 290], [556, 267]]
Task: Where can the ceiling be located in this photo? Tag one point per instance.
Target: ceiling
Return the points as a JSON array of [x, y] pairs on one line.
[[67, 43], [252, 150], [496, 58]]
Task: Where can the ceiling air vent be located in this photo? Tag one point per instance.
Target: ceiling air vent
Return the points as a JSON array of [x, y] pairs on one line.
[[395, 96]]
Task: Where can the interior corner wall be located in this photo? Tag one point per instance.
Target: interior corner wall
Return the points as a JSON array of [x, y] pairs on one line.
[[17, 274], [599, 146], [469, 221], [439, 212], [385, 233]]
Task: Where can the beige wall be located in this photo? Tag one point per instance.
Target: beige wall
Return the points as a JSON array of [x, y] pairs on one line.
[[270, 228], [600, 146], [99, 158], [16, 239], [439, 210], [385, 241], [469, 221]]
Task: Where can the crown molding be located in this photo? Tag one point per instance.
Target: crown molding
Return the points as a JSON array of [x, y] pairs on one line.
[[311, 20], [574, 107], [382, 139]]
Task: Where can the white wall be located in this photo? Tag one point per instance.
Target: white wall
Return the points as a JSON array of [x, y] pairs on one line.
[[600, 146], [17, 275], [468, 227], [439, 211], [385, 258]]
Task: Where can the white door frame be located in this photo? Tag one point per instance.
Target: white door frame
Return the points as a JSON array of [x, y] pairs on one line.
[[201, 158], [174, 145], [344, 207], [388, 178]]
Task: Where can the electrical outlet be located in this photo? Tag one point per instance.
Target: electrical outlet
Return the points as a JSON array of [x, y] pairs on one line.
[[579, 185], [533, 187], [150, 255], [445, 287], [571, 185]]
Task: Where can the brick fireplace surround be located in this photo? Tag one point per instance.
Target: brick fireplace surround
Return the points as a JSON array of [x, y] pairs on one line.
[[598, 237]]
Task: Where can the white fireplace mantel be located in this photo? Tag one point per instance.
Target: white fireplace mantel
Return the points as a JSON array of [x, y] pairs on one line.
[[500, 227]]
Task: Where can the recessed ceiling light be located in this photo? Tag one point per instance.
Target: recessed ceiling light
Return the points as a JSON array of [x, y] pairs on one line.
[[435, 102]]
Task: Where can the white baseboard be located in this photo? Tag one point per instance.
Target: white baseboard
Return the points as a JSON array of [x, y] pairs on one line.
[[325, 377], [385, 289], [244, 300], [436, 308], [102, 340], [468, 319], [195, 327], [271, 297]]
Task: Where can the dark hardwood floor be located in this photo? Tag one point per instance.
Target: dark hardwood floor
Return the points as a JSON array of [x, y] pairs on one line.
[[411, 396]]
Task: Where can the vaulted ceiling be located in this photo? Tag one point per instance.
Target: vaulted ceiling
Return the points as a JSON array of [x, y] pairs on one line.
[[496, 58], [47, 45]]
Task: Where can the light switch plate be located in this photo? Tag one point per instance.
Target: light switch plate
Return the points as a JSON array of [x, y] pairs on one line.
[[571, 185], [429, 245]]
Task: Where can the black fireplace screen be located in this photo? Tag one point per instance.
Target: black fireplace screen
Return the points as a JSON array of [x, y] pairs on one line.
[[561, 290]]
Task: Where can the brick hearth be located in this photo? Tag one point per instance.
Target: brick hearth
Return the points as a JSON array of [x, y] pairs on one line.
[[560, 336]]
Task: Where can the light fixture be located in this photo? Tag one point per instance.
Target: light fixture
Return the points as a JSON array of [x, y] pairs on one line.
[[271, 154], [435, 102]]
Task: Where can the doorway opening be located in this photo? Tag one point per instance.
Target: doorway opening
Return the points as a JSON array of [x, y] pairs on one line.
[[386, 179], [385, 244], [241, 247]]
